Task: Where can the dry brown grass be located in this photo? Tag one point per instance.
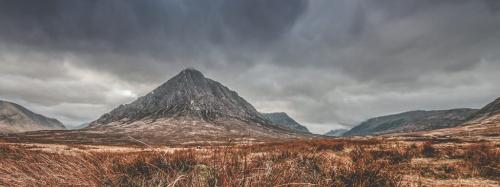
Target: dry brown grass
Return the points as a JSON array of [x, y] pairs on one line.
[[343, 162]]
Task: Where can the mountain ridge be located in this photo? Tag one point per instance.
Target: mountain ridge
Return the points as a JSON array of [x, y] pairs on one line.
[[284, 120], [485, 123], [419, 120]]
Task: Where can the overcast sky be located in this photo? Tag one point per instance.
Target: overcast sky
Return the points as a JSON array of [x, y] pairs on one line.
[[327, 63]]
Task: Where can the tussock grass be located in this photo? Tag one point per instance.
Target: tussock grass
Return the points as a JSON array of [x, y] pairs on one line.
[[343, 162]]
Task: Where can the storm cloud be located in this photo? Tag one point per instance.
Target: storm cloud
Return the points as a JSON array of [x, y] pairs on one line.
[[328, 63]]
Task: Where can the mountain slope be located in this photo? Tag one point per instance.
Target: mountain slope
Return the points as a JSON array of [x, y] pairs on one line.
[[487, 111], [189, 107], [15, 118], [412, 121], [483, 123], [81, 126], [336, 132], [283, 120]]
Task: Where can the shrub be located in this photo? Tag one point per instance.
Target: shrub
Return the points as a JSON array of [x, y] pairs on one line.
[[428, 150], [337, 147], [484, 159], [393, 156], [365, 171]]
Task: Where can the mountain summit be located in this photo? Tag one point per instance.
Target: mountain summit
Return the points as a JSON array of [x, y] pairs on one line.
[[187, 94], [189, 104]]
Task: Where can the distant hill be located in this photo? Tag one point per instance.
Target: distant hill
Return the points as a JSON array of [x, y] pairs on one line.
[[14, 119], [336, 132], [412, 121], [283, 120]]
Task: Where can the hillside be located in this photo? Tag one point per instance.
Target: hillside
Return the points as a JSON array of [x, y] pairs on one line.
[[14, 119], [491, 109], [336, 132], [412, 121], [483, 123], [284, 120]]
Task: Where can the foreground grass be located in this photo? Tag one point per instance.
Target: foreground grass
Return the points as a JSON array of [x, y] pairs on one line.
[[299, 163]]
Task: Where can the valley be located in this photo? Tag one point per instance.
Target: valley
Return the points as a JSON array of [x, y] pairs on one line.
[[194, 131]]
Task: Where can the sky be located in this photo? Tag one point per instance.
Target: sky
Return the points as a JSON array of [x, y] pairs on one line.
[[327, 63]]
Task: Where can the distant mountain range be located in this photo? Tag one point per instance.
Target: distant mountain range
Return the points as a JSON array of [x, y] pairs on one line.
[[192, 108], [412, 121], [14, 119], [283, 120], [81, 126], [189, 108], [336, 132]]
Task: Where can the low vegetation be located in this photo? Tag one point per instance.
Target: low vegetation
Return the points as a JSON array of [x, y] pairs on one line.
[[345, 162]]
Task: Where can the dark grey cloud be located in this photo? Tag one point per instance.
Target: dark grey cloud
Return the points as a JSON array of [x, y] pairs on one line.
[[329, 63], [145, 26]]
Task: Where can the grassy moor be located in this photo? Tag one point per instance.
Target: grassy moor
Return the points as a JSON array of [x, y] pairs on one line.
[[326, 162]]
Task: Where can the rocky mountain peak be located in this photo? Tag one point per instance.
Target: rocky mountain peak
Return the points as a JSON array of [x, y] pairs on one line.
[[189, 93], [190, 108], [189, 77], [191, 72]]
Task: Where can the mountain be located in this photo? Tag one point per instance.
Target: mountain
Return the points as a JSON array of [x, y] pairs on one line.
[[14, 119], [487, 111], [283, 120], [484, 123], [336, 132], [81, 126], [189, 108], [412, 121]]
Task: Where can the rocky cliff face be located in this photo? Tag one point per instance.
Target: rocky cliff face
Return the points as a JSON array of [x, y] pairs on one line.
[[412, 121], [15, 118], [283, 120], [189, 106]]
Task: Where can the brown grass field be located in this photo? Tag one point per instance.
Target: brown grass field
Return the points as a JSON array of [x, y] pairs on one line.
[[327, 162]]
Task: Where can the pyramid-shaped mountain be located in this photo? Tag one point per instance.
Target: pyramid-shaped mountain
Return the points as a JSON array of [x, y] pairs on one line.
[[189, 106]]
